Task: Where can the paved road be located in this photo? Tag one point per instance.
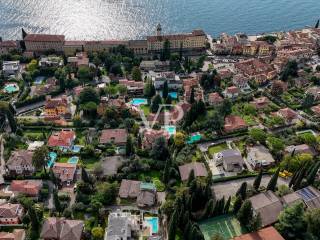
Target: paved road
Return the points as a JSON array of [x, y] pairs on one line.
[[204, 146], [230, 188]]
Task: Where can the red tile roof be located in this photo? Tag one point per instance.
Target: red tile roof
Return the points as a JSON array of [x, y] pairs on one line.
[[64, 171], [215, 98], [8, 44], [287, 113], [233, 90], [269, 233], [64, 138], [117, 136], [233, 123], [28, 187], [44, 38]]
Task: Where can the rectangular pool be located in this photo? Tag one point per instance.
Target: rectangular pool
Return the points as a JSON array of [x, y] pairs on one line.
[[173, 95], [195, 137], [170, 129], [139, 101], [73, 160], [153, 222]]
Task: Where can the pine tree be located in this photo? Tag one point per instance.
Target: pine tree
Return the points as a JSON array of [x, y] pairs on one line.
[[227, 205], [165, 90], [273, 181], [257, 180], [237, 204], [242, 191]]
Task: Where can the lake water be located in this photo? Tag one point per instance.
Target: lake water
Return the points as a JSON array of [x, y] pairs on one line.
[[129, 19]]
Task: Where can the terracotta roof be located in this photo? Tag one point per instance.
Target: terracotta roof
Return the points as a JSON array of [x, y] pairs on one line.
[[8, 44], [28, 187], [9, 210], [44, 38], [117, 136], [56, 102], [215, 98], [316, 109], [198, 168], [150, 136], [64, 138], [20, 158], [62, 229], [17, 234], [233, 90], [269, 233], [232, 123], [64, 171], [287, 113]]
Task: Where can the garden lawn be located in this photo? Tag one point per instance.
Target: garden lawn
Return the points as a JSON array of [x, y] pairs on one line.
[[146, 109], [217, 148], [241, 145], [155, 177], [89, 162]]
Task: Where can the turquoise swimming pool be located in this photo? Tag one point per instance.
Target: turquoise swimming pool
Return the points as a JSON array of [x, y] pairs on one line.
[[153, 222], [173, 95], [11, 88], [52, 159], [170, 129], [139, 101], [39, 80], [73, 160], [76, 148], [195, 137]]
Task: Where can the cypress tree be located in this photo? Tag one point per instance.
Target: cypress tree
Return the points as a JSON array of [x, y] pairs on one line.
[[191, 177], [242, 191], [209, 209], [227, 205], [294, 177], [165, 90], [172, 226], [257, 180], [192, 98], [187, 230], [273, 181], [166, 172], [237, 204], [129, 146], [222, 205], [312, 175], [57, 203], [298, 181], [245, 214], [317, 24]]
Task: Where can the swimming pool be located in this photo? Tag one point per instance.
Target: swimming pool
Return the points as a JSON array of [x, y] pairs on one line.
[[52, 159], [76, 148], [39, 80], [139, 101], [170, 129], [195, 137], [73, 160], [153, 222], [11, 88], [173, 95]]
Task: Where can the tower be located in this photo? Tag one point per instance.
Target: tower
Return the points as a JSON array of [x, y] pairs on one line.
[[159, 29]]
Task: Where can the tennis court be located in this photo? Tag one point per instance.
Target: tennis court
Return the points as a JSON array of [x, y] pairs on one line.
[[226, 226]]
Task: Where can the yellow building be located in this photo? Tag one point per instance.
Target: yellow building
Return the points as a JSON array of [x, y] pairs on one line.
[[57, 107]]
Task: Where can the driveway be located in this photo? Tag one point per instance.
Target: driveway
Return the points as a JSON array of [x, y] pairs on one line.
[[230, 188]]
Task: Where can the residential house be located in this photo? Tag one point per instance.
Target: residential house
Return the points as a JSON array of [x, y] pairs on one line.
[[231, 160], [61, 229], [155, 65], [11, 213], [149, 136], [198, 168], [134, 88], [314, 91], [51, 85], [234, 123], [259, 156], [114, 136], [268, 233], [288, 115], [255, 69], [118, 103], [7, 46], [56, 108], [40, 43], [10, 68], [129, 189], [20, 162], [214, 99], [316, 110], [231, 92], [120, 226], [16, 234], [65, 172], [310, 197], [28, 187], [51, 61], [260, 103], [80, 60], [291, 199], [268, 205], [241, 82], [159, 78], [65, 139], [300, 149]]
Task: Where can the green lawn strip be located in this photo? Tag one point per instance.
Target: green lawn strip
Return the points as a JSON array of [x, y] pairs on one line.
[[217, 148], [155, 178]]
